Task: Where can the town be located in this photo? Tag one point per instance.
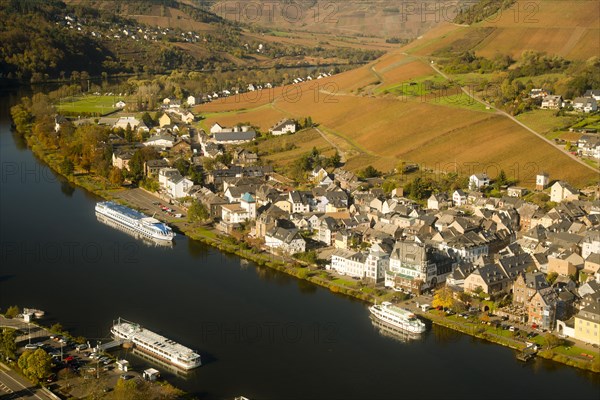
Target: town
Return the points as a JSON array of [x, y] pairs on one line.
[[539, 266]]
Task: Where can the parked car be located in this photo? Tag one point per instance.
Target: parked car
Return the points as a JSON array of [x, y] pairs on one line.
[[81, 347], [125, 377]]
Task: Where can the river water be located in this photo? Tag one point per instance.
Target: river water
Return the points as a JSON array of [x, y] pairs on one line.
[[260, 333]]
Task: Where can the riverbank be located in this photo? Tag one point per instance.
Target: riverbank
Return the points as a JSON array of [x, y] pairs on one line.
[[290, 266], [72, 378]]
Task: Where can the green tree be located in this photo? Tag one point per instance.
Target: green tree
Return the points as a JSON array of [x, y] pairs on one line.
[[129, 390], [115, 176], [147, 120], [552, 340], [551, 277], [182, 166], [501, 179], [67, 167], [57, 328], [336, 160], [12, 312], [136, 164], [8, 343], [197, 212], [35, 365], [369, 172]]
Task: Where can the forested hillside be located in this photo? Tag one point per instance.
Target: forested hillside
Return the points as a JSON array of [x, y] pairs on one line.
[[52, 39]]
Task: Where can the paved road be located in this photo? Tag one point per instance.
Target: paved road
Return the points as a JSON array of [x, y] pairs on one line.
[[13, 386], [503, 113]]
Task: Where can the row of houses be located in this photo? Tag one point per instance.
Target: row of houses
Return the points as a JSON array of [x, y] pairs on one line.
[[586, 103], [462, 239]]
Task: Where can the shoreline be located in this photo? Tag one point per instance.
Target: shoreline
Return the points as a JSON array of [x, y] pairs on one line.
[[290, 266]]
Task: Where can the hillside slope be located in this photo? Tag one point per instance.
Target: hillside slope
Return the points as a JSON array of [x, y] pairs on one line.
[[385, 112], [567, 28]]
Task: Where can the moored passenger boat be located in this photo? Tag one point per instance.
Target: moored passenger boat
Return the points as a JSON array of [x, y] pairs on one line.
[[144, 225], [398, 317], [156, 345]]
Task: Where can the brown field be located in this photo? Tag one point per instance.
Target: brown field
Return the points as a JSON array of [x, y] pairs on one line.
[[568, 28], [497, 143], [304, 142], [380, 131], [265, 117], [368, 18], [404, 70]]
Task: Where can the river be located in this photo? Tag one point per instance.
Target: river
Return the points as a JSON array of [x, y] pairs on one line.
[[260, 333]]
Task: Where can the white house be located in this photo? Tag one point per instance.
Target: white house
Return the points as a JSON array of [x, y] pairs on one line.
[[437, 201], [234, 213], [216, 128], [561, 191], [585, 104], [122, 123], [594, 93], [287, 240], [191, 101], [541, 181], [478, 181], [348, 263], [164, 141], [175, 185], [552, 102], [459, 198], [282, 127]]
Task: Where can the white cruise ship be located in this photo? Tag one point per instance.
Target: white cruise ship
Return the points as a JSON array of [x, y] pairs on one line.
[[133, 232], [156, 345], [146, 226], [398, 317]]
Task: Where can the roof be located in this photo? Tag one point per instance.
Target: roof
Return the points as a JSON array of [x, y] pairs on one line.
[[234, 136], [490, 273], [283, 234], [281, 124], [247, 197]]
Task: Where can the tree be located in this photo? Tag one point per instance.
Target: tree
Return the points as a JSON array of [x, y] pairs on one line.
[[115, 176], [197, 212], [336, 160], [443, 297], [551, 277], [8, 343], [128, 390], [35, 365], [67, 167], [148, 120], [12, 312], [552, 340], [57, 328], [369, 172]]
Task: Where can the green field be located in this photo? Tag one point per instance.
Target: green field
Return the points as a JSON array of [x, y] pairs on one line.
[[415, 88], [461, 100], [545, 121], [90, 105]]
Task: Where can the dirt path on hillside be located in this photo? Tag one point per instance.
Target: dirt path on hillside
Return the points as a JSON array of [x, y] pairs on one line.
[[505, 114]]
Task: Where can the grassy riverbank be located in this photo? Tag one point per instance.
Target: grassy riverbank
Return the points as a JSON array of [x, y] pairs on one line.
[[565, 352], [303, 270]]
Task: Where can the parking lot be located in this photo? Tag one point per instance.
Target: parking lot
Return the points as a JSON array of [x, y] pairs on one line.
[[77, 370], [151, 204]]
